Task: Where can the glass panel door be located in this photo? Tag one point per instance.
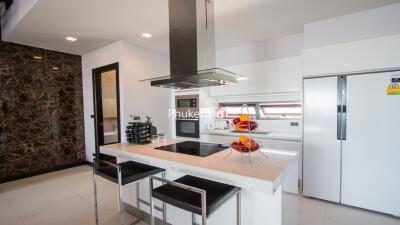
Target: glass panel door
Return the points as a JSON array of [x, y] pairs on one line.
[[109, 106]]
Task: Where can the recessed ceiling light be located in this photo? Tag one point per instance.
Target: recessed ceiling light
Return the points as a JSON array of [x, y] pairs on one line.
[[55, 68], [71, 39], [37, 57], [147, 35], [347, 64]]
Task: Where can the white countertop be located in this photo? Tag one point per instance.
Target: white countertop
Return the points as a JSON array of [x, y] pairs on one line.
[[272, 135], [263, 175]]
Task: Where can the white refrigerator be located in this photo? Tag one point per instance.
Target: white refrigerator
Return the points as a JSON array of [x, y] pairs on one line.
[[351, 141]]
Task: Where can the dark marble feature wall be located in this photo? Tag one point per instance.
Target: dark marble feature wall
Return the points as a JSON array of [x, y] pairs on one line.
[[41, 110]]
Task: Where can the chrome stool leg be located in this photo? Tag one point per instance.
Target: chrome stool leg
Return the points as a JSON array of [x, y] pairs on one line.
[[238, 208], [120, 205], [203, 208], [164, 205], [152, 207], [138, 213], [96, 211], [151, 203]]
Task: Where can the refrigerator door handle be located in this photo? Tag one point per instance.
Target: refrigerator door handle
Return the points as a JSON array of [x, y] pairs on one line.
[[339, 107], [342, 108], [344, 124], [339, 122]]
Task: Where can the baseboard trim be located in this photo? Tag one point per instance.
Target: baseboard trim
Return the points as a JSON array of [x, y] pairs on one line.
[[40, 172]]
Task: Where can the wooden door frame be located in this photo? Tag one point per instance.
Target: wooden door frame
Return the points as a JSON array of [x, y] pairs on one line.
[[97, 103]]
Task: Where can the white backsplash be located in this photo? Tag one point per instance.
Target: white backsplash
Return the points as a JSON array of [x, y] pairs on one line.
[[283, 126]]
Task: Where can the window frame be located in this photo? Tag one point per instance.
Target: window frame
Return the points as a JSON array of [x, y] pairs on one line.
[[279, 116], [222, 105], [258, 108]]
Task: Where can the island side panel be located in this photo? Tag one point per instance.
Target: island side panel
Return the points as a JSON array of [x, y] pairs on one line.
[[258, 208]]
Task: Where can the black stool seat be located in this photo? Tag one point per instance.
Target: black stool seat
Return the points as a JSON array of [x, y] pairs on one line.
[[216, 194], [130, 172]]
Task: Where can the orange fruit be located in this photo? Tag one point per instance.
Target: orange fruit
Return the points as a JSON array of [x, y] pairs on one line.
[[244, 117], [244, 139]]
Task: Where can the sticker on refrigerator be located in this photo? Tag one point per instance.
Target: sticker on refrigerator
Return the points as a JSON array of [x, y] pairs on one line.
[[394, 86]]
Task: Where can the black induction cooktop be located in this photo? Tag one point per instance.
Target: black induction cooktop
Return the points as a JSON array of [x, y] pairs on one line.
[[195, 148]]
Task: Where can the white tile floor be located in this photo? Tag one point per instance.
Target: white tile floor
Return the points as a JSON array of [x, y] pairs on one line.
[[66, 198], [316, 212], [58, 198]]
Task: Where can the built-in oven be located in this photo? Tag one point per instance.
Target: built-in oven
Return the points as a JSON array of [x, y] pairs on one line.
[[187, 116], [187, 128]]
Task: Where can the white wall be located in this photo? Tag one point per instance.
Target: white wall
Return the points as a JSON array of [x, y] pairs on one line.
[[139, 98], [136, 98], [368, 40]]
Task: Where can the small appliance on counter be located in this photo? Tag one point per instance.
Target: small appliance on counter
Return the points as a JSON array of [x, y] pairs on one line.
[[221, 125], [139, 132]]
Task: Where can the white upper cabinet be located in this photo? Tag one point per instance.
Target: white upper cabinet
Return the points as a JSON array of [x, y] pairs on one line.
[[290, 77], [369, 54], [266, 77]]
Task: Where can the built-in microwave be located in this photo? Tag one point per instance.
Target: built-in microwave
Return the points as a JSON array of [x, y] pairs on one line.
[[183, 102]]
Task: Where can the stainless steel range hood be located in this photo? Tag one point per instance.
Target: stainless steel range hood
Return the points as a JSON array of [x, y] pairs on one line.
[[192, 48]]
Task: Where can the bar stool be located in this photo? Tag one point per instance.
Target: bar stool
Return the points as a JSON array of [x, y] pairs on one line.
[[196, 195], [122, 174]]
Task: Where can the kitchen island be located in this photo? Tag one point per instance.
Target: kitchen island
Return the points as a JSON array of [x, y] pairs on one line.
[[262, 181]]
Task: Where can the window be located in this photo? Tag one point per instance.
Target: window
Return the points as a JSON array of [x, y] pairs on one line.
[[280, 110], [264, 110], [235, 110]]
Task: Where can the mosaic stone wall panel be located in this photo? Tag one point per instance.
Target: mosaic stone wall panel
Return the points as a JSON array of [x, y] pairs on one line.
[[41, 110]]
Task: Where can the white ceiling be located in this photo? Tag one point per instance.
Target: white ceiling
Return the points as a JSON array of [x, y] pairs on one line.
[[99, 22]]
